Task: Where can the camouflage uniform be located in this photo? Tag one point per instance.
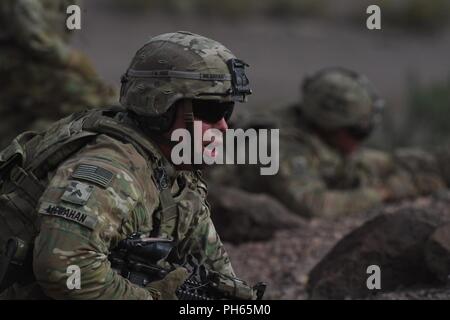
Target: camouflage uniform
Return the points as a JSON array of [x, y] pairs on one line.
[[42, 78], [110, 188], [315, 179]]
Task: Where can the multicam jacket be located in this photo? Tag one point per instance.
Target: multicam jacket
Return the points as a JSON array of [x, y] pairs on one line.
[[98, 196]]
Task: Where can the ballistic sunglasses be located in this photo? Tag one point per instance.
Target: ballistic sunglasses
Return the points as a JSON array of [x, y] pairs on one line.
[[212, 111]]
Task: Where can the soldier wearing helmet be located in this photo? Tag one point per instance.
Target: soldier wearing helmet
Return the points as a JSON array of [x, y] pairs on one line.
[[323, 171], [106, 174], [340, 104]]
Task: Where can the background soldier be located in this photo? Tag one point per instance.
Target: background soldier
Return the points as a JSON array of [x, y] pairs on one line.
[[120, 180], [42, 78], [322, 171]]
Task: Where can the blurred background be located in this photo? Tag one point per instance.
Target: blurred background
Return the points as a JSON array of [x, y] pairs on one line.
[[284, 40]]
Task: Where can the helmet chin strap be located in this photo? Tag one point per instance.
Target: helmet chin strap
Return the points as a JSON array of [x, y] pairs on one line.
[[189, 122]]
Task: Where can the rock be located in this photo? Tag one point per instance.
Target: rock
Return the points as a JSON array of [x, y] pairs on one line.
[[440, 293], [394, 242], [437, 253], [241, 216], [286, 260]]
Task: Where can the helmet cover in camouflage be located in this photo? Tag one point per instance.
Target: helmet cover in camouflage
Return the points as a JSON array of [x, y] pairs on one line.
[[336, 98], [179, 65]]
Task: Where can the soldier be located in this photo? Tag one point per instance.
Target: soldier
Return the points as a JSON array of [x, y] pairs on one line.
[[96, 177], [42, 78], [323, 172]]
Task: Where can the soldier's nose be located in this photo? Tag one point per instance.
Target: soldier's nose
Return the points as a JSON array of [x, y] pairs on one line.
[[221, 125]]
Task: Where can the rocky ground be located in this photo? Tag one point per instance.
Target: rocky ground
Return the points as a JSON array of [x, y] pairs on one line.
[[419, 294], [285, 261]]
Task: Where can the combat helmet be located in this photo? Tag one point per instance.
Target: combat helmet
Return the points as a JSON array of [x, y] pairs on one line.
[[336, 98], [181, 65]]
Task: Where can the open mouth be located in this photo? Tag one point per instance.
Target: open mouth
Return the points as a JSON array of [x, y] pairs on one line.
[[210, 148], [210, 153]]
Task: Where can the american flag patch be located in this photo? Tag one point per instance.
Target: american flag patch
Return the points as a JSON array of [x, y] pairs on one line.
[[95, 174]]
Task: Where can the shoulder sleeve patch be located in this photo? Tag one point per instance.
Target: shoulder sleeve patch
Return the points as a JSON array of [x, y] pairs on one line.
[[77, 193], [68, 213], [94, 174]]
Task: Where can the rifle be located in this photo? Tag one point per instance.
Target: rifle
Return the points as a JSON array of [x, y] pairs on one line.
[[136, 259]]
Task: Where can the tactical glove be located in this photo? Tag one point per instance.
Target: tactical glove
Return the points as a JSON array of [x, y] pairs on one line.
[[165, 289]]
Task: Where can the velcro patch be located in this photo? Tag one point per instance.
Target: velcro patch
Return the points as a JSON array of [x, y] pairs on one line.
[[95, 174], [77, 193], [68, 213]]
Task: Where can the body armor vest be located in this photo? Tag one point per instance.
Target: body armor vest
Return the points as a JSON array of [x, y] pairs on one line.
[[26, 163]]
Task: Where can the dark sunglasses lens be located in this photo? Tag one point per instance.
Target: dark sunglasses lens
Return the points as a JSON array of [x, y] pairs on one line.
[[212, 111], [360, 133]]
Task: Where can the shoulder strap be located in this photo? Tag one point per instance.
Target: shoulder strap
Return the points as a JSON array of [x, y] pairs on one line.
[[79, 130], [162, 170]]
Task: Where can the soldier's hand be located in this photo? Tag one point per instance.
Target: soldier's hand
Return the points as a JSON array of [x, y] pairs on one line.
[[165, 289]]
